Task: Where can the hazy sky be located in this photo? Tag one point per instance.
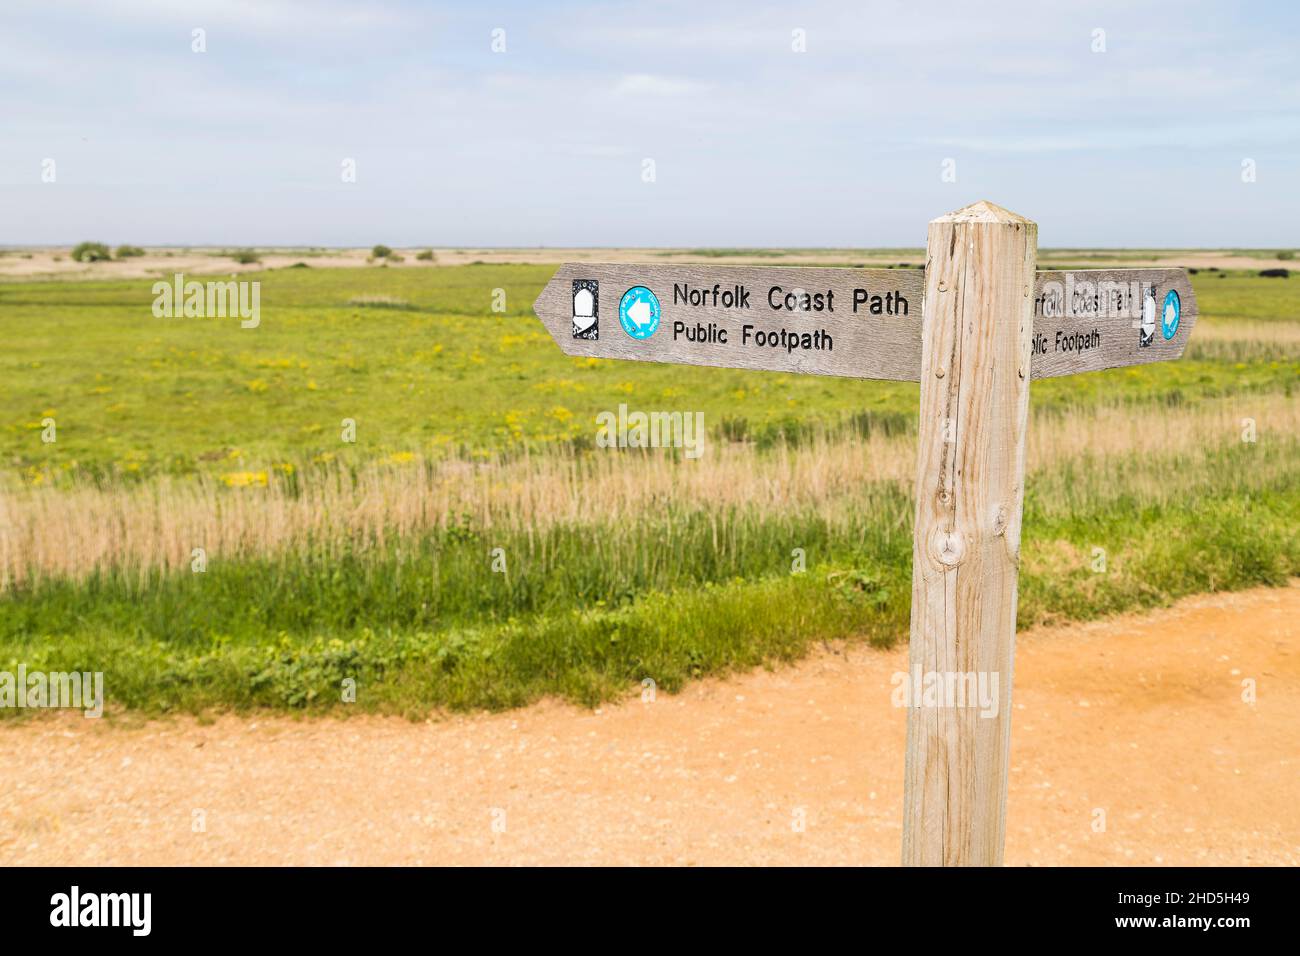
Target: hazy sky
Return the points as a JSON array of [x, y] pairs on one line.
[[753, 144]]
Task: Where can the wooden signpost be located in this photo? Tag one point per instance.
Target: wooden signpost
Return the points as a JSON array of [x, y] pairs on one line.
[[974, 329]]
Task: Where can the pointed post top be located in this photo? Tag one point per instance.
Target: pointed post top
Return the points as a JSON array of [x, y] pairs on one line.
[[983, 211]]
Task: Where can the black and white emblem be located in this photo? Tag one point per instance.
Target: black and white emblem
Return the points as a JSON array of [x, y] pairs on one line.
[[1147, 327], [586, 309]]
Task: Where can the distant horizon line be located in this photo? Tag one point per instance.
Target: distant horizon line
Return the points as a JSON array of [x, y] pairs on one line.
[[510, 248]]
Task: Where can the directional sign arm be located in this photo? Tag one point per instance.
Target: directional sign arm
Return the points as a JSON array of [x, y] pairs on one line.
[[1091, 319], [858, 323]]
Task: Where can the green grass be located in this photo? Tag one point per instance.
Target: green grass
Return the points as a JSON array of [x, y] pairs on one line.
[[132, 394], [1244, 296], [588, 609]]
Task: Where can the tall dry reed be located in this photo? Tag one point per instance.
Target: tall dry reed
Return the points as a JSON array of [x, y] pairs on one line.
[[71, 532]]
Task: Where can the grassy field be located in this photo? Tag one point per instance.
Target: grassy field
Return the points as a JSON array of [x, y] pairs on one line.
[[373, 560], [421, 363]]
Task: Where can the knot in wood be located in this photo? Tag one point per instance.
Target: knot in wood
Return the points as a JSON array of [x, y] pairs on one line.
[[947, 547]]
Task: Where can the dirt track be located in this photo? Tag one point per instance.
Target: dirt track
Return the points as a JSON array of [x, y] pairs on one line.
[[1141, 717]]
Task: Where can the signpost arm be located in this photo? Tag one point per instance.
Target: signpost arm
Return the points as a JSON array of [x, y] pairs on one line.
[[977, 326]]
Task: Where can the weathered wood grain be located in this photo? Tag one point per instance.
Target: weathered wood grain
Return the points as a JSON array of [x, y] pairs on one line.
[[969, 492], [864, 345], [977, 326], [1106, 303], [1076, 329]]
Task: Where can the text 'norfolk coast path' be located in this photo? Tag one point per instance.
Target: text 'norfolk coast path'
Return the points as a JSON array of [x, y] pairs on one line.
[[856, 323], [973, 328]]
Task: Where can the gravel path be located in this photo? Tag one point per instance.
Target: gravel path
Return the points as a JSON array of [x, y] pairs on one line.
[[1141, 717]]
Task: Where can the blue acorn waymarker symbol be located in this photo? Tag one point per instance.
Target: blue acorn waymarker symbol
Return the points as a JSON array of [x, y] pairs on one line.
[[638, 312], [1170, 315], [1024, 325]]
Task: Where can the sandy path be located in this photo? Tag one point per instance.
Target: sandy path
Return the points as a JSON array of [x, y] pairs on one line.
[[1139, 716]]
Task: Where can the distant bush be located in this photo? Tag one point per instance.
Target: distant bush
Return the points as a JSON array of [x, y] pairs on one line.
[[427, 256], [244, 256], [395, 257], [128, 252], [381, 301], [381, 252], [1286, 254], [91, 252], [300, 265], [1274, 273]]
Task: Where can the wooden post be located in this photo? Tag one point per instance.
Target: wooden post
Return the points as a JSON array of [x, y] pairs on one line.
[[972, 355], [977, 328]]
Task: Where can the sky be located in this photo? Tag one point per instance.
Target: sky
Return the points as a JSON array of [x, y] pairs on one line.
[[683, 124]]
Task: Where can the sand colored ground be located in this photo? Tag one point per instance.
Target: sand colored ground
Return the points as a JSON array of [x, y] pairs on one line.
[[1140, 717], [56, 263]]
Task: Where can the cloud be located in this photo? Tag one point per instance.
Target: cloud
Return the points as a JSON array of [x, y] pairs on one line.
[[543, 143], [646, 84], [255, 18]]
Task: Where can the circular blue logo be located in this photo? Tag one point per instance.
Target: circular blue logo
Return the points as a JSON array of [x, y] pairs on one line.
[[638, 312], [1170, 315]]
